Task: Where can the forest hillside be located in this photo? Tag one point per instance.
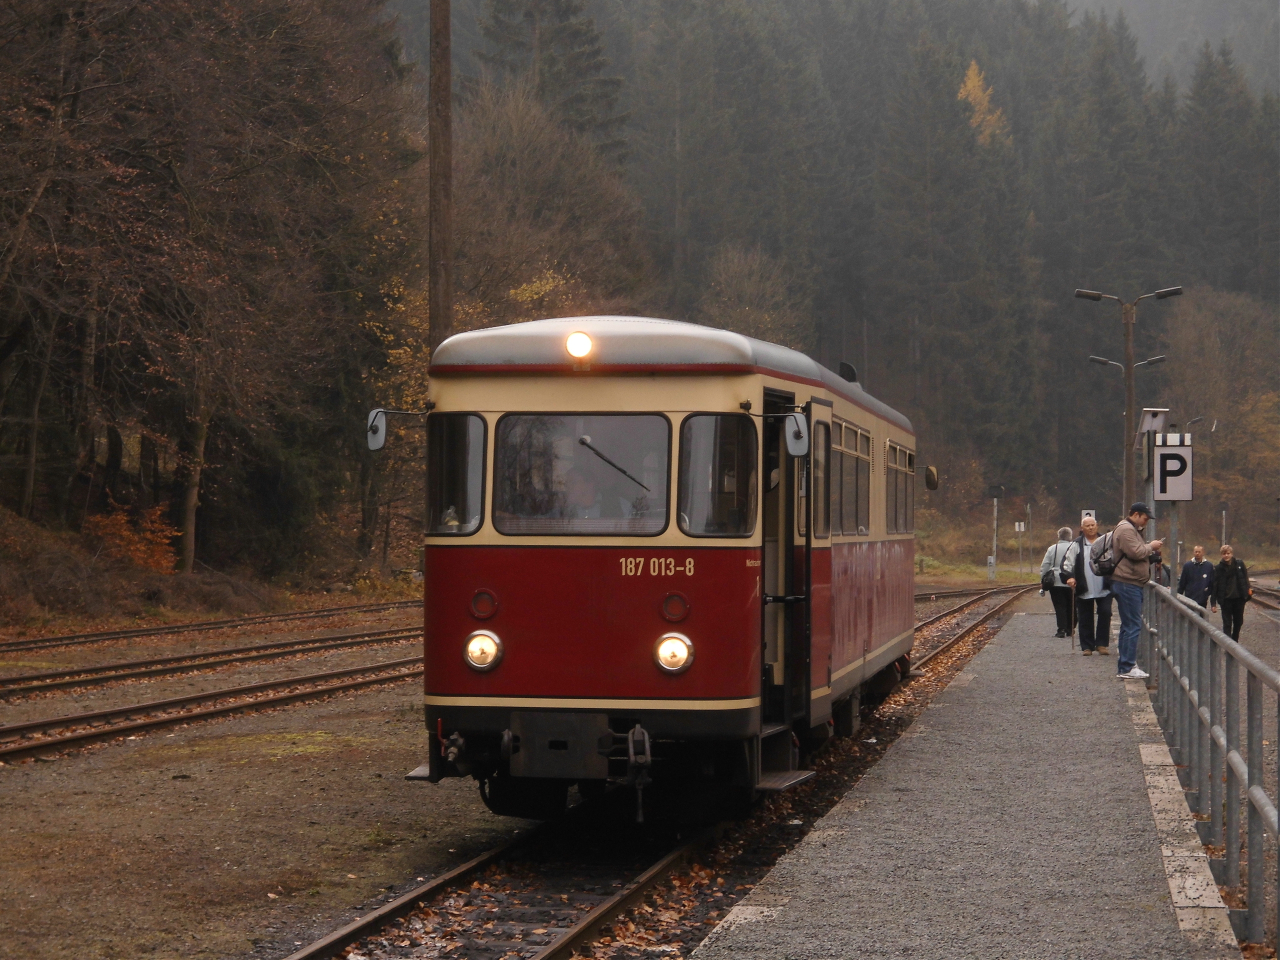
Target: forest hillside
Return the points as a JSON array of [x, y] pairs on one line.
[[212, 238]]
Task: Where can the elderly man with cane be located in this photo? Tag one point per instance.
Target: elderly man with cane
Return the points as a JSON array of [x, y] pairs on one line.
[[1093, 593]]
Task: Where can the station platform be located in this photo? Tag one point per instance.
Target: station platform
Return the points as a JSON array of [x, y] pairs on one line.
[[1032, 811]]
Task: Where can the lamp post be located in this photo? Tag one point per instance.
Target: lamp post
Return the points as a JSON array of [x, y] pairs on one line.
[[1129, 315], [1129, 404]]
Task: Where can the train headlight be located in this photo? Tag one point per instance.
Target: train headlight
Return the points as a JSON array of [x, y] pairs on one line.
[[482, 650], [578, 345], [674, 652]]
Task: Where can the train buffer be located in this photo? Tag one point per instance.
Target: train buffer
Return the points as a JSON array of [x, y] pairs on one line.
[[1015, 819]]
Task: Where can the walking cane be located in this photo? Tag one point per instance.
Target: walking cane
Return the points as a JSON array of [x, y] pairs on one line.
[[1074, 645]]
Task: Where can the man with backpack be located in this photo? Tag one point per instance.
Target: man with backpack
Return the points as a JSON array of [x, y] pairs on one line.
[[1092, 593], [1132, 557]]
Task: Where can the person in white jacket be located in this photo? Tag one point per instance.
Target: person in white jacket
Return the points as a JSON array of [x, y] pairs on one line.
[[1060, 592], [1093, 596]]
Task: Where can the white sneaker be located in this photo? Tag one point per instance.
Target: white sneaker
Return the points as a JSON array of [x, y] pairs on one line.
[[1136, 673]]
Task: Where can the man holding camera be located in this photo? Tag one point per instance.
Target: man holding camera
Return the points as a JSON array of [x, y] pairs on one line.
[[1133, 569]]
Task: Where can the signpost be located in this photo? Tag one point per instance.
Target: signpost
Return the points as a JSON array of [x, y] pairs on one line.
[[1152, 423], [1172, 477], [1019, 527], [995, 492]]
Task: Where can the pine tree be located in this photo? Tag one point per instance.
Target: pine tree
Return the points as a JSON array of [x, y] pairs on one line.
[[1221, 222], [553, 46]]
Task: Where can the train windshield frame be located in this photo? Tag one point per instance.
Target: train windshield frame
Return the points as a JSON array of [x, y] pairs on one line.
[[455, 473], [718, 494], [581, 474]]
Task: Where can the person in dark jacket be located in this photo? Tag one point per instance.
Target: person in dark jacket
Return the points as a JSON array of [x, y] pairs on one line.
[[1196, 581], [1230, 591]]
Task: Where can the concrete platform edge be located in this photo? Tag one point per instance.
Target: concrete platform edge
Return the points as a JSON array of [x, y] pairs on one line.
[[1198, 905]]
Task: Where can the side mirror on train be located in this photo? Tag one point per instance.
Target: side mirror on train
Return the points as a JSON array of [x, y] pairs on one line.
[[797, 430], [931, 478], [376, 429]]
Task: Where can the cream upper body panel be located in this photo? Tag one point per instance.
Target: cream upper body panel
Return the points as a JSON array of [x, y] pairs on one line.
[[640, 366]]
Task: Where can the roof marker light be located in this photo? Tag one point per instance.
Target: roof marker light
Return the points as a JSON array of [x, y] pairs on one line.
[[578, 345]]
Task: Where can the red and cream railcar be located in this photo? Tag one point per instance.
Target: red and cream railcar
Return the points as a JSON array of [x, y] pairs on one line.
[[655, 551]]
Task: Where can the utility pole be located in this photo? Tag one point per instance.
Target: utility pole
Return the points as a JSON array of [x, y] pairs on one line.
[[1129, 316], [440, 187], [995, 492]]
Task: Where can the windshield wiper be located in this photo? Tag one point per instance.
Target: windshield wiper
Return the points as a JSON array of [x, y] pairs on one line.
[[586, 442]]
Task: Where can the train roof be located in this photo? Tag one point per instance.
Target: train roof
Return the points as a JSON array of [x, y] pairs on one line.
[[640, 345]]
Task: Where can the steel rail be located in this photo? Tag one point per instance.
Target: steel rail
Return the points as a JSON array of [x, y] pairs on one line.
[[970, 628], [972, 601], [333, 944], [374, 923], [184, 663], [72, 639], [588, 927], [937, 594], [402, 669]]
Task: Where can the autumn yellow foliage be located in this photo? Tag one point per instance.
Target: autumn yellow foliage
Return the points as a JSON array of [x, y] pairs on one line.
[[987, 121]]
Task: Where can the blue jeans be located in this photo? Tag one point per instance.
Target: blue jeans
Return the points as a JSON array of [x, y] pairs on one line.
[[1129, 603]]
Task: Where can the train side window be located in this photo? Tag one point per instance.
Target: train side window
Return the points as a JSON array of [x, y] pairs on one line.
[[900, 488], [911, 491], [717, 487], [821, 480], [455, 473], [864, 497], [849, 495], [837, 487], [890, 490]]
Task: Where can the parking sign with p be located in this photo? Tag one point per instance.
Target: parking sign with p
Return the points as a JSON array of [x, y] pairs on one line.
[[1173, 466]]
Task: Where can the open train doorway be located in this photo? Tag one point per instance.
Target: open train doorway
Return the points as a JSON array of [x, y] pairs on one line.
[[783, 581]]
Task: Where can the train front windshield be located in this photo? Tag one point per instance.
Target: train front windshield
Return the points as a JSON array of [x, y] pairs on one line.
[[581, 475]]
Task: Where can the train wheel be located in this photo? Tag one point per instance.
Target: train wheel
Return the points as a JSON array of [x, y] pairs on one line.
[[532, 798]]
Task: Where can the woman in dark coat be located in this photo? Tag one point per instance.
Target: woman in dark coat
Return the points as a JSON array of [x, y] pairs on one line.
[[1230, 591]]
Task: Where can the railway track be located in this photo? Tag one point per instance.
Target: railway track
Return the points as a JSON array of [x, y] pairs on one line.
[[74, 639], [972, 601], [1266, 597], [942, 594], [968, 629], [18, 740], [29, 683], [539, 897]]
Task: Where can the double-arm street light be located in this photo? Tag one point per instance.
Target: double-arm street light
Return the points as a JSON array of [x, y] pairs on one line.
[[1128, 314]]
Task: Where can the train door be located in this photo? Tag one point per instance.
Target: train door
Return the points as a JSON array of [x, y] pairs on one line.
[[817, 568], [784, 631]]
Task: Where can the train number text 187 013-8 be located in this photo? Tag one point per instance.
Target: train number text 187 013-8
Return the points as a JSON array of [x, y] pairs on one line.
[[654, 566]]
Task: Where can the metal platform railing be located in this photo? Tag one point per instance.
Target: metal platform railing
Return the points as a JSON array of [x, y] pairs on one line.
[[1198, 699]]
